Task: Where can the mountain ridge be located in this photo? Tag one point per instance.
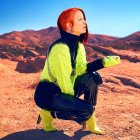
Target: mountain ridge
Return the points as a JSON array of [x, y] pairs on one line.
[[29, 46]]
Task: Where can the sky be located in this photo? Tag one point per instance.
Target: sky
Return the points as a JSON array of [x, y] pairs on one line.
[[108, 17]]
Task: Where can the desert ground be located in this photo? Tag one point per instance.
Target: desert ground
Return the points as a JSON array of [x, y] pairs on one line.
[[117, 111]]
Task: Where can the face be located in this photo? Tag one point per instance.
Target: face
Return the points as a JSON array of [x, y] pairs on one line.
[[79, 26]]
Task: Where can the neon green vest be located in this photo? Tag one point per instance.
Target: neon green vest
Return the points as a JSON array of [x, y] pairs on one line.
[[61, 68]]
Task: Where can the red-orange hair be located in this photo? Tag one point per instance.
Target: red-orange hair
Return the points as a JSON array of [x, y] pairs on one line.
[[68, 16]]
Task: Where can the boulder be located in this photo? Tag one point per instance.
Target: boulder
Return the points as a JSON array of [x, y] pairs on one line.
[[31, 64]]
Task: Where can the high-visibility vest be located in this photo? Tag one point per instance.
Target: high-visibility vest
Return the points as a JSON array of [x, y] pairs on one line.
[[59, 60]]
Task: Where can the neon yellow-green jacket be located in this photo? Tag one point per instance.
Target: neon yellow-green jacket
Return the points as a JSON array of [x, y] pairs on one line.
[[61, 68]]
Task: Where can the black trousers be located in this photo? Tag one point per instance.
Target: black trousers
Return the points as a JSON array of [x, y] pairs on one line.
[[49, 96]]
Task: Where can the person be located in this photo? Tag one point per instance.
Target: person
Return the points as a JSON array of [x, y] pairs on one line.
[[67, 75]]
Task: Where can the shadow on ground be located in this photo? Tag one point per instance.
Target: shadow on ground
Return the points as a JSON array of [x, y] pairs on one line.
[[39, 134]]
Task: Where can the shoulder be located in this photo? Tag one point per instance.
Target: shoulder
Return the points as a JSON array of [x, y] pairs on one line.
[[61, 47], [81, 46], [58, 45], [59, 52]]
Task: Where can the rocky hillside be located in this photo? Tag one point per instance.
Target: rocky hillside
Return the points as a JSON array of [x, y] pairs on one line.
[[131, 42], [29, 46]]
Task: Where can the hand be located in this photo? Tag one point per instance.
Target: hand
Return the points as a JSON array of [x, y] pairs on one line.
[[110, 61]]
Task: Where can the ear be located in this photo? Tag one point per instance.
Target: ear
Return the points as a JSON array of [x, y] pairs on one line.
[[68, 25]]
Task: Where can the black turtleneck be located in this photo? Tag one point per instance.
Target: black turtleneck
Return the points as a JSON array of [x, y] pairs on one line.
[[71, 41]]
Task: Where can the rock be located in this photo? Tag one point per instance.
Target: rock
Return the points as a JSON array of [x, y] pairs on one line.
[[29, 53], [31, 64], [6, 55]]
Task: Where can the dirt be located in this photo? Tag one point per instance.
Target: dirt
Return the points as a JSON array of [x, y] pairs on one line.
[[117, 111]]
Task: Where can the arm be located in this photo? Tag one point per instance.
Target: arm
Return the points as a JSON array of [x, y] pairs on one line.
[[95, 65], [105, 62]]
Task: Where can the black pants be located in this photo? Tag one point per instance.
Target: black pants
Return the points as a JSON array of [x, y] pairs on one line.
[[49, 96]]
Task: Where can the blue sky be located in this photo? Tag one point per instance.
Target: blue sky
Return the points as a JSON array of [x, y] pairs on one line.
[[111, 17]]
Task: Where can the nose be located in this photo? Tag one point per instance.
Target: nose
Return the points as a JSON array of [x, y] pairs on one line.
[[85, 22]]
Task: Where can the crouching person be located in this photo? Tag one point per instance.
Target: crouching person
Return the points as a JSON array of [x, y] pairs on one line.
[[67, 75]]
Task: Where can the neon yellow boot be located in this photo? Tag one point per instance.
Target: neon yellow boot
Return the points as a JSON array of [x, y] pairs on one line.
[[91, 124], [47, 120]]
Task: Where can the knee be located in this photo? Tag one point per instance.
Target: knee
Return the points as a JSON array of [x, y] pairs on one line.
[[44, 94], [97, 78], [87, 112], [90, 110]]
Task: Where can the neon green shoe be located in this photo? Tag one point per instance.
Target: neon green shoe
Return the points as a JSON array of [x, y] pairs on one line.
[[110, 61], [47, 120], [91, 124]]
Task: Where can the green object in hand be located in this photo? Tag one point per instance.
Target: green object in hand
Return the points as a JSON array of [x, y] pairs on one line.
[[110, 61]]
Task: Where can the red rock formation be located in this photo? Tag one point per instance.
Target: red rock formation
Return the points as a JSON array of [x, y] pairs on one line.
[[131, 42], [29, 53], [31, 64], [30, 43]]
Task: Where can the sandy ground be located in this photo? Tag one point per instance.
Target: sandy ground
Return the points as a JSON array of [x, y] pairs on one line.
[[117, 110]]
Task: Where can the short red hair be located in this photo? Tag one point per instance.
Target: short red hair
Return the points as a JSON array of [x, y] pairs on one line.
[[68, 16]]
